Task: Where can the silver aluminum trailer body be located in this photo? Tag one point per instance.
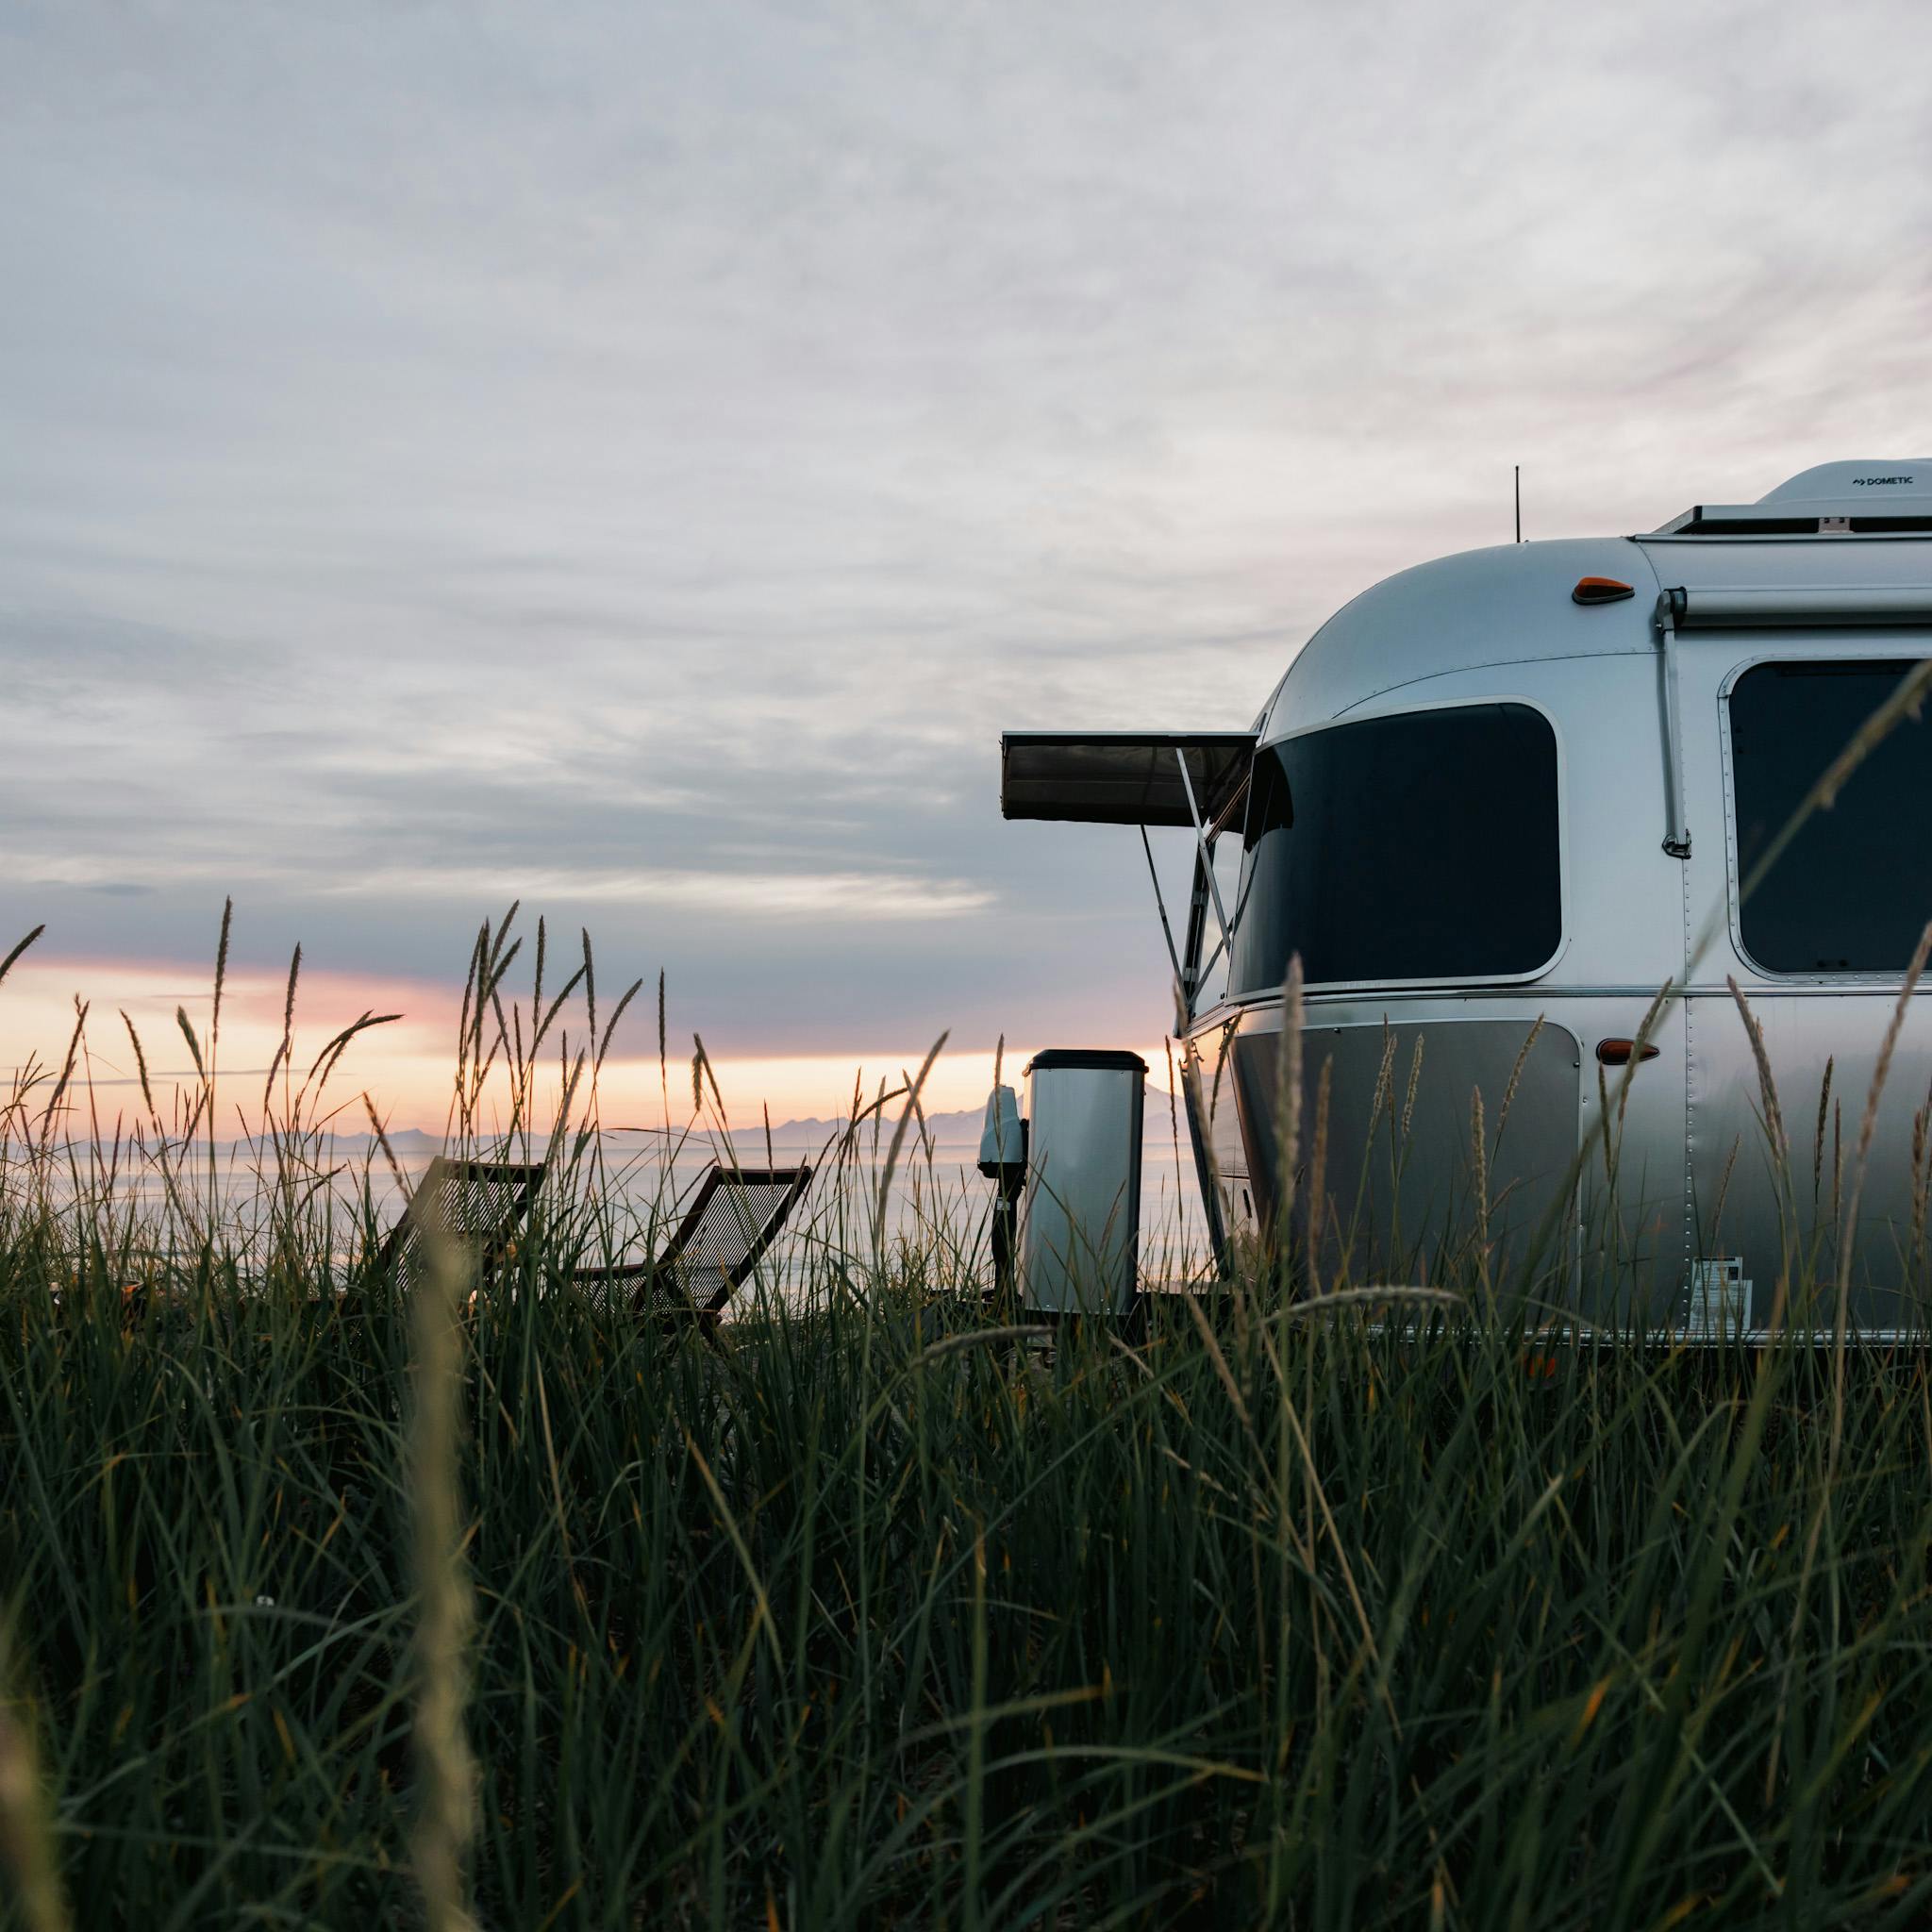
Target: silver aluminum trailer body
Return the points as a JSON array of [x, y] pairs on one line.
[[1587, 785]]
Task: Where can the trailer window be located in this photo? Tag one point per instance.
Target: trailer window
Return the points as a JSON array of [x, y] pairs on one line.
[[1423, 846], [1853, 890]]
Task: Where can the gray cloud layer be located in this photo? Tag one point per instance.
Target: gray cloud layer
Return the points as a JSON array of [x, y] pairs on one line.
[[641, 457]]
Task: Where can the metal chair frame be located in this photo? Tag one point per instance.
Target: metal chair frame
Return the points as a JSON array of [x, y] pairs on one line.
[[523, 1178], [654, 1274]]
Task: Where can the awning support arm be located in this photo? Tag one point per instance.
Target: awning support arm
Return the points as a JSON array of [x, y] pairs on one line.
[[1207, 857], [1214, 959], [1193, 978], [1670, 609], [1181, 1003]]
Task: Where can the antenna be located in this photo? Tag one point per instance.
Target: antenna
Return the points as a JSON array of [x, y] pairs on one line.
[[1519, 502]]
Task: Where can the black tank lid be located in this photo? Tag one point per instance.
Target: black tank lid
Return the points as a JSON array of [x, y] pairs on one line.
[[1112, 1060]]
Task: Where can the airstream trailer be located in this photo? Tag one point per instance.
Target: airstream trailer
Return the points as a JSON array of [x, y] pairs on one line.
[[1495, 805]]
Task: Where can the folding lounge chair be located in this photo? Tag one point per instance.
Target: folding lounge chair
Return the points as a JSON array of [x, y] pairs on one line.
[[734, 1217], [481, 1202]]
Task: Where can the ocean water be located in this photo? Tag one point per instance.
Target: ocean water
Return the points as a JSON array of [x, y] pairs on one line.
[[631, 1190]]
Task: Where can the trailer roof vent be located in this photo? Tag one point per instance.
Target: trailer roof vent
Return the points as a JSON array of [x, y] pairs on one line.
[[1872, 498]]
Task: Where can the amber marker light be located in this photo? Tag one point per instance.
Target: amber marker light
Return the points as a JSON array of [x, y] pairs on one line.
[[1616, 1053], [1601, 591]]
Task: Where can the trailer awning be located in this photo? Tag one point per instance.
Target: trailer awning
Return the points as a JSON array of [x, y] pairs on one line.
[[1755, 608], [1121, 777]]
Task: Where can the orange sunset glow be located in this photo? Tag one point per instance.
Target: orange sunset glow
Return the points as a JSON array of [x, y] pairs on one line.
[[406, 1065]]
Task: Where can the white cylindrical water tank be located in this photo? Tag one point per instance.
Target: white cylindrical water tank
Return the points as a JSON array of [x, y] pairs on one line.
[[1080, 1223]]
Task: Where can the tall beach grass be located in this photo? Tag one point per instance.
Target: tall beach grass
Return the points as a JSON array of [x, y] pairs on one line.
[[336, 1596]]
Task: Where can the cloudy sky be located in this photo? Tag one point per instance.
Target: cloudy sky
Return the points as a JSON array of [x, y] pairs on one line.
[[635, 460]]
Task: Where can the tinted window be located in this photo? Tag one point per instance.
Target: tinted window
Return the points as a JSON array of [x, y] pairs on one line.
[[1416, 847], [1853, 891]]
